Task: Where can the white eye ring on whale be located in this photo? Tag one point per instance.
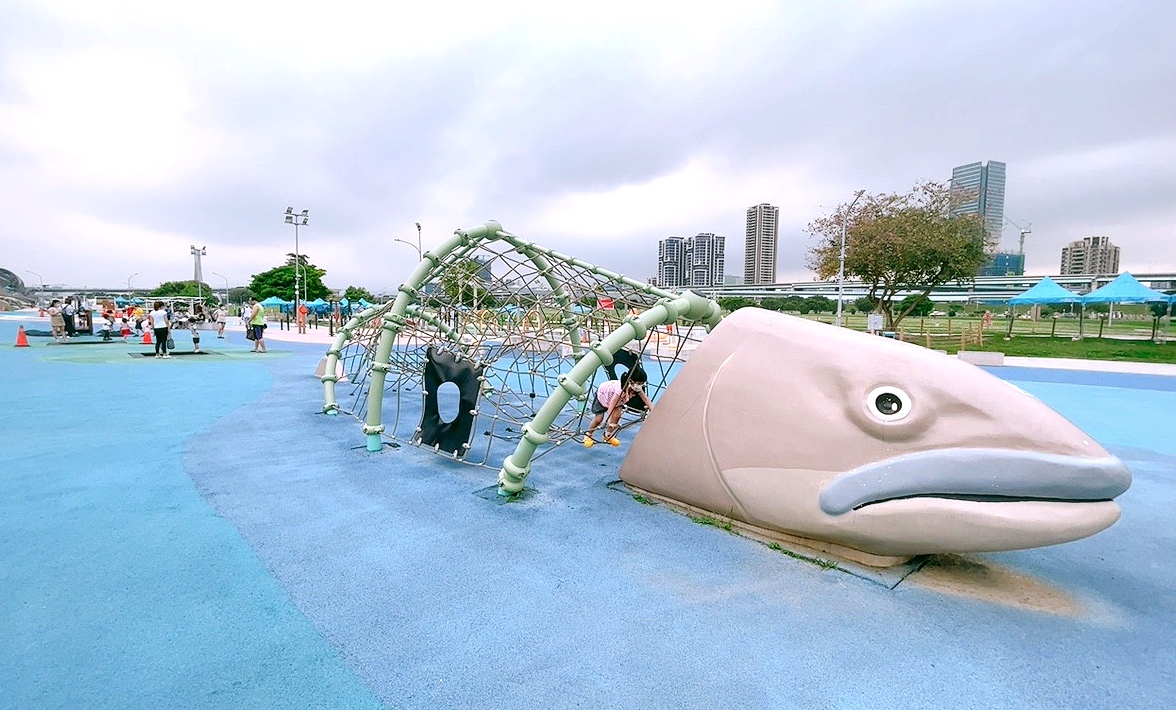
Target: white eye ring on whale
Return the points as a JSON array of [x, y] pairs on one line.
[[888, 404]]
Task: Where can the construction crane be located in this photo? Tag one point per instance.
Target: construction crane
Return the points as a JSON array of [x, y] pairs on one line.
[[1024, 230]]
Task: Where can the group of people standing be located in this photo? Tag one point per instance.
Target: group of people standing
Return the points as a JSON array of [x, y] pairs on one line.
[[61, 319], [161, 321]]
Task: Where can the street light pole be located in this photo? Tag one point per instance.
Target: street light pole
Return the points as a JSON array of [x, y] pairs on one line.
[[841, 262], [297, 219], [41, 291], [226, 290], [419, 248], [131, 291]]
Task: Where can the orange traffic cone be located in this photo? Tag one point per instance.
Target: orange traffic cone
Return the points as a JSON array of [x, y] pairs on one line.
[[22, 340], [146, 337]]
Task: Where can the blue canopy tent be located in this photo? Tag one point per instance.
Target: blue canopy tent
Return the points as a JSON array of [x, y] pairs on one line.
[[319, 306], [1124, 289], [281, 305], [1044, 291]]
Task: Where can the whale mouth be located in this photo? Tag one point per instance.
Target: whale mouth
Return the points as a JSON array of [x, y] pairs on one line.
[[977, 475]]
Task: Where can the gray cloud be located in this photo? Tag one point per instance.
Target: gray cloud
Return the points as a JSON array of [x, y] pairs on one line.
[[816, 101]]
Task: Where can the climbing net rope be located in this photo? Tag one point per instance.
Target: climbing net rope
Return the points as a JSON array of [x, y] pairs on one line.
[[492, 304]]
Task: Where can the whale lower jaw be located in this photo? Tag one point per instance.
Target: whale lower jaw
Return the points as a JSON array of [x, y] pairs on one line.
[[902, 527], [929, 525]]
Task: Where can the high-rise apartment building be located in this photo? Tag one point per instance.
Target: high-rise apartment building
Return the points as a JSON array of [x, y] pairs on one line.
[[707, 255], [759, 246], [696, 261], [671, 254], [1090, 255], [979, 188]]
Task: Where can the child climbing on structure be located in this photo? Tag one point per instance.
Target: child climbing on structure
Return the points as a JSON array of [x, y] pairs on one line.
[[609, 404]]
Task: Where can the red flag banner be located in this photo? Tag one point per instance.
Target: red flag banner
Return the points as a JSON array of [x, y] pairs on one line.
[[605, 303]]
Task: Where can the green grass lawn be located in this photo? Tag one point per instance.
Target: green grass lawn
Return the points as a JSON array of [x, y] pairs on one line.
[[1127, 339], [1086, 349]]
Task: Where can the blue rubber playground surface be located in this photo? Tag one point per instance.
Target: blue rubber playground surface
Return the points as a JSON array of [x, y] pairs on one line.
[[192, 533]]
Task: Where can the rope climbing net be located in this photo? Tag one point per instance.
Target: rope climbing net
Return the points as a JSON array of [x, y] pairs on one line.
[[495, 345]]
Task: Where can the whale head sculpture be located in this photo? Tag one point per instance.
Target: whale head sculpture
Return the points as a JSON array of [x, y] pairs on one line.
[[868, 443]]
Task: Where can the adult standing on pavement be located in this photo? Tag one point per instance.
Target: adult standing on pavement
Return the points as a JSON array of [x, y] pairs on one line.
[[67, 313], [160, 325], [57, 322], [218, 316], [257, 323]]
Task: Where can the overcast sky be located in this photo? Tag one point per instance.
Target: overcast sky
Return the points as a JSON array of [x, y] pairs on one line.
[[132, 130]]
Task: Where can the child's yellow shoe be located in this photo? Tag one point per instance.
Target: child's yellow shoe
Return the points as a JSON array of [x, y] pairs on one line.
[[588, 442], [613, 441]]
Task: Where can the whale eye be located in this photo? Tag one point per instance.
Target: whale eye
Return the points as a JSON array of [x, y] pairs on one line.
[[888, 404]]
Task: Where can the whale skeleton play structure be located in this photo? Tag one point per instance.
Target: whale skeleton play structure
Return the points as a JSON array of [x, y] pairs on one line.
[[797, 432], [491, 349]]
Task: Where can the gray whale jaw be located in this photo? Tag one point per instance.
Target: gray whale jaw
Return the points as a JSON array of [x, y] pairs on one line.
[[977, 474]]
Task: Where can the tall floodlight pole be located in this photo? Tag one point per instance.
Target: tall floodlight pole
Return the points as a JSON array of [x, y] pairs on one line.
[[841, 262], [419, 249], [297, 219], [226, 301], [41, 291], [198, 274]]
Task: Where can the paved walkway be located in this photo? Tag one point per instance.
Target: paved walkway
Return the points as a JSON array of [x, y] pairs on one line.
[[193, 533]]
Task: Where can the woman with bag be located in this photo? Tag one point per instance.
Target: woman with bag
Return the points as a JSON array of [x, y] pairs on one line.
[[257, 327], [158, 322], [57, 322]]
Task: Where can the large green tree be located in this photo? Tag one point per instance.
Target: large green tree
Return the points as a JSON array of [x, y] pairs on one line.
[[279, 281], [463, 284], [354, 293], [900, 242], [180, 288], [192, 288]]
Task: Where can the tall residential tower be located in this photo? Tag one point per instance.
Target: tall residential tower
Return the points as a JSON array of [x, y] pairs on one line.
[[696, 261], [759, 247]]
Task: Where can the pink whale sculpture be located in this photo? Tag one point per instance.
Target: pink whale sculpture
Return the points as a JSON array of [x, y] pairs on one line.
[[853, 441]]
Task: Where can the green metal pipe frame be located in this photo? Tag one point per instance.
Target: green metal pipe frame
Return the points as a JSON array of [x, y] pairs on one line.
[[516, 467]]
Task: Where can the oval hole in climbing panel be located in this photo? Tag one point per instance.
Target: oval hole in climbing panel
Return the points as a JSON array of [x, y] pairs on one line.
[[448, 401]]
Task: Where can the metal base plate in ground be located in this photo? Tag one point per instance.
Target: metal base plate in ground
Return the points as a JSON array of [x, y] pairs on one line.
[[889, 577], [490, 493]]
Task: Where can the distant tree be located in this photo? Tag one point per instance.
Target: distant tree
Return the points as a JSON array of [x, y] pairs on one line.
[[734, 303], [900, 242], [240, 294], [821, 304], [181, 288], [774, 304], [354, 293], [865, 304], [188, 289], [279, 281], [916, 305], [462, 284]]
